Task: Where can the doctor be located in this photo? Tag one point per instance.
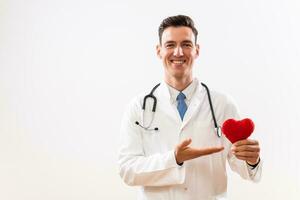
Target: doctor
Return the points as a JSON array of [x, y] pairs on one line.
[[174, 152]]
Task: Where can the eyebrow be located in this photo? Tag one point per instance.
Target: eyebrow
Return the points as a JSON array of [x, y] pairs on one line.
[[184, 41], [171, 41]]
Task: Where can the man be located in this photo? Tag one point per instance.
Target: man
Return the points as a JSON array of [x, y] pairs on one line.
[[174, 152]]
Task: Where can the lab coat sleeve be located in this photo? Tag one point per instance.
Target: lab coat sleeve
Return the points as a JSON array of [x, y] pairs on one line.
[[135, 168], [239, 166]]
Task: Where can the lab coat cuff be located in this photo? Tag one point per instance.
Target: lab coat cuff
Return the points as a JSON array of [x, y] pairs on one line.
[[172, 159], [253, 166], [255, 173]]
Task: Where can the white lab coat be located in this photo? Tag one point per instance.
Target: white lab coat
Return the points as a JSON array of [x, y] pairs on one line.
[[146, 158]]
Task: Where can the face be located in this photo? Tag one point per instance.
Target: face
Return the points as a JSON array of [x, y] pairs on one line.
[[178, 52]]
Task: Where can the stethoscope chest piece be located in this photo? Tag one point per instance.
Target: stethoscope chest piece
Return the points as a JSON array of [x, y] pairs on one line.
[[219, 131]]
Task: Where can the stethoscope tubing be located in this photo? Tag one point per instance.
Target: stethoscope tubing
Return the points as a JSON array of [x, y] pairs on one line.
[[151, 96]]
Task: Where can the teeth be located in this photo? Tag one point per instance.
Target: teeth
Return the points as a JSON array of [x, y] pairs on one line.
[[178, 61]]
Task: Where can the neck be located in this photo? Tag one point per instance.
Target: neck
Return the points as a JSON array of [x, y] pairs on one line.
[[179, 83]]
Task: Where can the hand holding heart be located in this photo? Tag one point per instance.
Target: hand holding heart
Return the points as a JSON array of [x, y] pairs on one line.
[[238, 132], [247, 150]]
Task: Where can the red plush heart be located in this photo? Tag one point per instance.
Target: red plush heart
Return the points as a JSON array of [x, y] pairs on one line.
[[237, 130]]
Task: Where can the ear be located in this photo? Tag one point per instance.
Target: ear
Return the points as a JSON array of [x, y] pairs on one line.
[[158, 51], [197, 50]]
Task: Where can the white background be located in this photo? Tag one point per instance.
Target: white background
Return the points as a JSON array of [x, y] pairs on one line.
[[68, 69]]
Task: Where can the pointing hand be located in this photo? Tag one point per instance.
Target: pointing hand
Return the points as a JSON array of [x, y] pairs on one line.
[[183, 152]]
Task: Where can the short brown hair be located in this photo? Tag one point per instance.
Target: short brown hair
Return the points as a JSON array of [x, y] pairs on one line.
[[176, 21]]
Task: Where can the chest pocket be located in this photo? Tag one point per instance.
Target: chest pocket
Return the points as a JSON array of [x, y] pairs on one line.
[[151, 142], [162, 140]]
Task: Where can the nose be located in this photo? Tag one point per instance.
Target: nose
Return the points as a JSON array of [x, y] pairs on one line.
[[178, 51]]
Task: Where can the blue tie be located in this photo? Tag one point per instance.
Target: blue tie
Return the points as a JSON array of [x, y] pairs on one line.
[[181, 106]]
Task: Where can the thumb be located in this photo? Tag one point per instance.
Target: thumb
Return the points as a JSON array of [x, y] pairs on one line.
[[185, 143]]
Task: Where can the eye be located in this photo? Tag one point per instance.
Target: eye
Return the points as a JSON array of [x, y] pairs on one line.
[[187, 45], [170, 45]]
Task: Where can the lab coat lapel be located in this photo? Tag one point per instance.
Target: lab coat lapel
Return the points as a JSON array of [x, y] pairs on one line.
[[195, 104], [164, 100]]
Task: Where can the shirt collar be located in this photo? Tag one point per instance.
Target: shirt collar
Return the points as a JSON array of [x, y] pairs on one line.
[[188, 91]]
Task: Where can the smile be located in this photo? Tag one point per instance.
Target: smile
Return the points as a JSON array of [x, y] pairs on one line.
[[178, 62]]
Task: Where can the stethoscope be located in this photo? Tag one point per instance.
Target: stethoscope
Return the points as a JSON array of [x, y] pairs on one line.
[[151, 96]]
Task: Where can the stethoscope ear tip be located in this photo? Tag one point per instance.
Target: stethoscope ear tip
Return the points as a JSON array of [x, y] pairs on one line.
[[137, 123]]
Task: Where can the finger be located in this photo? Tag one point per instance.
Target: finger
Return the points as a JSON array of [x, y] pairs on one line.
[[242, 158], [249, 160], [185, 143], [251, 148], [247, 154], [209, 150], [246, 142]]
